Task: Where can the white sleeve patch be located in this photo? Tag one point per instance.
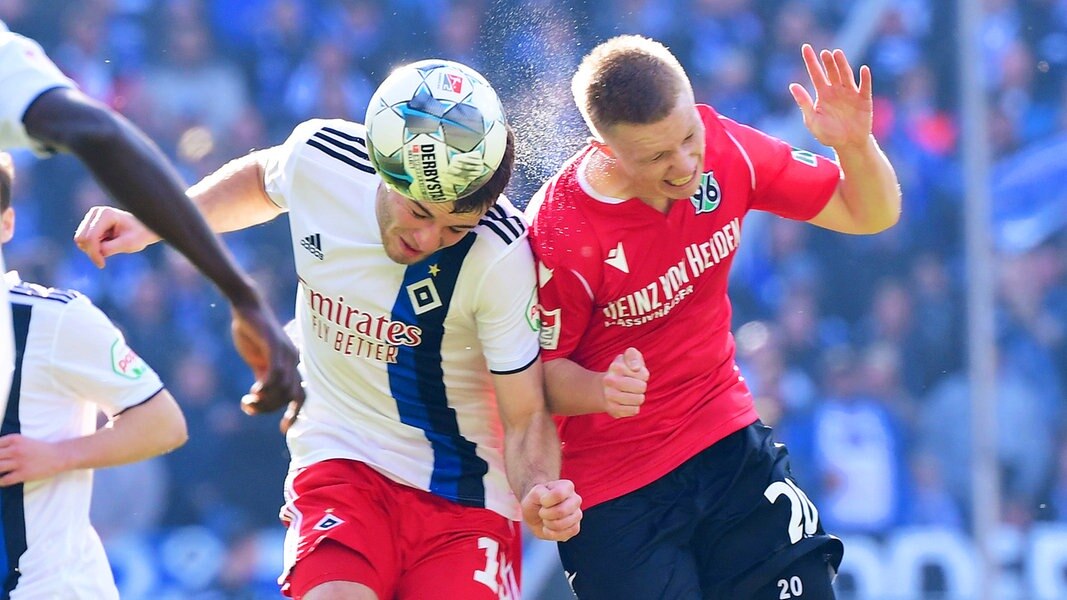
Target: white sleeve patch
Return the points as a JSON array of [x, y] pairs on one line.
[[126, 362], [550, 327]]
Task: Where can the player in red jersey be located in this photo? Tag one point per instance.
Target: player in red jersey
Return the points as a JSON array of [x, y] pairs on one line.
[[686, 495]]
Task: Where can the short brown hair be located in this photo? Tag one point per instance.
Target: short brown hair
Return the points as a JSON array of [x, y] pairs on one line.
[[7, 178], [485, 197], [628, 79]]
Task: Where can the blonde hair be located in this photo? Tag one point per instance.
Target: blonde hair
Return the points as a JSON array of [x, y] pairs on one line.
[[628, 79]]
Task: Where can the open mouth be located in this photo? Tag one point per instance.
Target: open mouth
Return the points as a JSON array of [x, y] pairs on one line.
[[681, 181]]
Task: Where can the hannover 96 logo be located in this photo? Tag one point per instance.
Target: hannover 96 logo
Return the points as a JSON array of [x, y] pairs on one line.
[[708, 195]]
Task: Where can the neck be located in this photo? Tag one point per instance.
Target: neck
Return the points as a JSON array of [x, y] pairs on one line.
[[603, 175], [607, 179], [662, 205]]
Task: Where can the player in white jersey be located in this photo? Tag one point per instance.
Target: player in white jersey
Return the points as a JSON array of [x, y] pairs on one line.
[[41, 109], [424, 385], [70, 362], [25, 74]]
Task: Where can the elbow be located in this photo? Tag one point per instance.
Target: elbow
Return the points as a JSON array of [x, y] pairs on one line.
[[891, 215], [862, 208], [67, 121], [178, 435], [868, 218], [173, 434], [891, 218], [178, 439]]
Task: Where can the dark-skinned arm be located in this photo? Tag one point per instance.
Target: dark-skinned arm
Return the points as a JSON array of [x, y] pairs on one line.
[[135, 172]]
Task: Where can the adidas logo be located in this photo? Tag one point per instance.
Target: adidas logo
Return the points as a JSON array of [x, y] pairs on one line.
[[617, 258], [313, 244]]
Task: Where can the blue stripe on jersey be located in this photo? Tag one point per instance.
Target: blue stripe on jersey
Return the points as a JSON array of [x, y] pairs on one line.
[[12, 511], [417, 377]]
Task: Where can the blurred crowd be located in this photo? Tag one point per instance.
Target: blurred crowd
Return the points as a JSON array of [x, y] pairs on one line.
[[854, 346]]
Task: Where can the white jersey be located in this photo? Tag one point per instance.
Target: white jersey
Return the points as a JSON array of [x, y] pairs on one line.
[[397, 359], [70, 361], [25, 74]]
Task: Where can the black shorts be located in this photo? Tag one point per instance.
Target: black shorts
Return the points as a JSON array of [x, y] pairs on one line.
[[729, 523]]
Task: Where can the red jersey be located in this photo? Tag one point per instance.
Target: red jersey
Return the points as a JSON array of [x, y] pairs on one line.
[[617, 273]]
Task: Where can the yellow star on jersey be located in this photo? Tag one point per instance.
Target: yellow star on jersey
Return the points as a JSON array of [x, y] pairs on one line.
[[434, 270]]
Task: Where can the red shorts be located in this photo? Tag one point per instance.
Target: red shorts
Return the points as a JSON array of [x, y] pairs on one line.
[[399, 541]]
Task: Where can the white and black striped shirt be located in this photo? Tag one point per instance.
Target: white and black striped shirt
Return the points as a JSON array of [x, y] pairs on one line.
[[70, 362]]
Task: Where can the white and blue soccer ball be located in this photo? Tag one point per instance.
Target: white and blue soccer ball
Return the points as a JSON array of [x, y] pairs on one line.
[[435, 130]]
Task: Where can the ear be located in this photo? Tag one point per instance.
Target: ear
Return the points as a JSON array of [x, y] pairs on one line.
[[601, 146], [7, 225]]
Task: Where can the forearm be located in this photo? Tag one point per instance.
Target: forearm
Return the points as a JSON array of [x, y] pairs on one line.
[[133, 170], [573, 390], [142, 432], [137, 176], [869, 186], [531, 453], [550, 506], [233, 197]]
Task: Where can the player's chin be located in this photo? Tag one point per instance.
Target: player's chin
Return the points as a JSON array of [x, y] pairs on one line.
[[410, 261], [403, 256]]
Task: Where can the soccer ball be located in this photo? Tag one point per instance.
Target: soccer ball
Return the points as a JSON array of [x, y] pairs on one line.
[[435, 130]]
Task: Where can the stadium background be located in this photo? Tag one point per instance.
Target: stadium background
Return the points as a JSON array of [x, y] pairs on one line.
[[854, 346]]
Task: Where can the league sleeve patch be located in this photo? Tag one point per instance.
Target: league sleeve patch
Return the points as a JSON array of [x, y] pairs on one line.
[[532, 309], [126, 362], [550, 326], [805, 157]]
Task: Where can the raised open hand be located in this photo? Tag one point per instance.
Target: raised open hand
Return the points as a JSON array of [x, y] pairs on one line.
[[841, 114]]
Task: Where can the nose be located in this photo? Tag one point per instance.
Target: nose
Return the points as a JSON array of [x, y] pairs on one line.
[[683, 164], [427, 239]]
